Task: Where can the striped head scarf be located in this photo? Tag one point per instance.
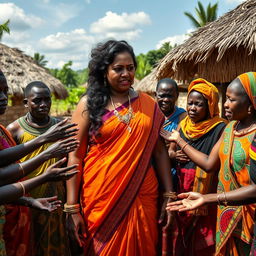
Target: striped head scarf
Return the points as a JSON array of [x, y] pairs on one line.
[[248, 80]]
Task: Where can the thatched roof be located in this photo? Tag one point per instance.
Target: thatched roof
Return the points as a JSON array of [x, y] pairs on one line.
[[147, 84], [219, 51], [20, 69]]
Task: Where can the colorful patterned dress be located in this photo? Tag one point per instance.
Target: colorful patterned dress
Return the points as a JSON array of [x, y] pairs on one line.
[[234, 223]]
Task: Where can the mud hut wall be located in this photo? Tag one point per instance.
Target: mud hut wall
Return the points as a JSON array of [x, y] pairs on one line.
[[12, 113]]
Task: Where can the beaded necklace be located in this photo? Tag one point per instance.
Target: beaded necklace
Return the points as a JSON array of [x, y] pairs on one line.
[[244, 130], [124, 118]]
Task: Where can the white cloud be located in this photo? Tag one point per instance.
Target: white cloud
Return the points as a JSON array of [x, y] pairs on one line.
[[74, 45], [129, 35], [88, 1], [61, 47], [176, 39], [235, 1], [125, 23], [19, 21], [64, 12]]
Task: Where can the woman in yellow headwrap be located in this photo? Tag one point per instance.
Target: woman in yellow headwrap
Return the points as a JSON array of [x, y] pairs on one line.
[[231, 154], [195, 232]]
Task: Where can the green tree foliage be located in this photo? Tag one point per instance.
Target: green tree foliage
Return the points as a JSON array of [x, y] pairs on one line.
[[82, 76], [203, 15], [64, 107], [40, 59], [66, 75], [143, 66], [4, 28], [146, 62], [154, 56]]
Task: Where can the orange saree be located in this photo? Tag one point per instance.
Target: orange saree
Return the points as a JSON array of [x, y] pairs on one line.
[[234, 223], [119, 192]]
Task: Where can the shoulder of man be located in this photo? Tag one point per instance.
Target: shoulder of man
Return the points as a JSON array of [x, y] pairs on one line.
[[15, 129]]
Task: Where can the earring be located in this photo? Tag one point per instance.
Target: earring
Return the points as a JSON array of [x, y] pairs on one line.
[[249, 110]]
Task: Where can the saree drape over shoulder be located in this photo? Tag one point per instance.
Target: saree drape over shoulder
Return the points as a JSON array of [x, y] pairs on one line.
[[234, 223], [119, 191], [14, 220]]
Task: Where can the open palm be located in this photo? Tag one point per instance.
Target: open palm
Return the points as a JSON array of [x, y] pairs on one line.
[[190, 201]]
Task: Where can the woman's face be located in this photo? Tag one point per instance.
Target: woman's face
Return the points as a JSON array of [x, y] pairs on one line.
[[237, 101], [120, 73], [3, 96], [197, 107]]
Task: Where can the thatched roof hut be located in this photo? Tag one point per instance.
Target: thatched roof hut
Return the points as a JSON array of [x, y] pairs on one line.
[[147, 84], [20, 69], [219, 51]]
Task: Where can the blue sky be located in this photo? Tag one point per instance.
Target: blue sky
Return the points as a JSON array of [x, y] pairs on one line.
[[65, 30]]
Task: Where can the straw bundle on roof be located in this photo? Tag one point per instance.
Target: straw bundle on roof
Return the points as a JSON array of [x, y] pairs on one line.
[[20, 69], [219, 51], [147, 84]]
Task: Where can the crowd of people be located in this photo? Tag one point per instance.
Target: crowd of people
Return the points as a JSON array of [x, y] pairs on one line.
[[142, 175]]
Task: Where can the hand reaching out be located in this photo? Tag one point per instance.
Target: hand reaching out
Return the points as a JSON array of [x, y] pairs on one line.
[[190, 201], [62, 148], [173, 136], [49, 204], [61, 130], [181, 157], [56, 173]]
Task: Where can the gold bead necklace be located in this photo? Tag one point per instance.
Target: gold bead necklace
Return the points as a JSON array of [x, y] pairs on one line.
[[124, 118]]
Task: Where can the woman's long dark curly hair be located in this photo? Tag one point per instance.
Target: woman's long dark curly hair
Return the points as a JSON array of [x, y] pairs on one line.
[[98, 90]]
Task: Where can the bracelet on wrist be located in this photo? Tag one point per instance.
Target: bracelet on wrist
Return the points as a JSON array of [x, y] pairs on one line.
[[224, 202], [170, 195], [183, 147], [179, 140], [21, 169], [23, 188], [72, 208]]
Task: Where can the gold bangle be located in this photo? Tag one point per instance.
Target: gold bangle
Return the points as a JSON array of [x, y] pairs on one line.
[[183, 147], [170, 195], [178, 141], [225, 202], [23, 188], [71, 208], [218, 199], [22, 170]]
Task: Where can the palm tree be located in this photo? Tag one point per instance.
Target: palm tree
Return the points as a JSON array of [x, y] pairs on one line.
[[40, 59], [203, 16], [4, 28]]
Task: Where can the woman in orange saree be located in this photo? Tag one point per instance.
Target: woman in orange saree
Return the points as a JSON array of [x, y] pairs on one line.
[[231, 153], [119, 186]]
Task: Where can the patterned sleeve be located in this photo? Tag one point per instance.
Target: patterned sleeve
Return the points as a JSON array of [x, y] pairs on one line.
[[253, 161]]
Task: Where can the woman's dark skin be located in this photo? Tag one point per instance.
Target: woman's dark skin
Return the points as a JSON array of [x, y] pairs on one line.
[[237, 107], [13, 172], [59, 131], [11, 192]]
